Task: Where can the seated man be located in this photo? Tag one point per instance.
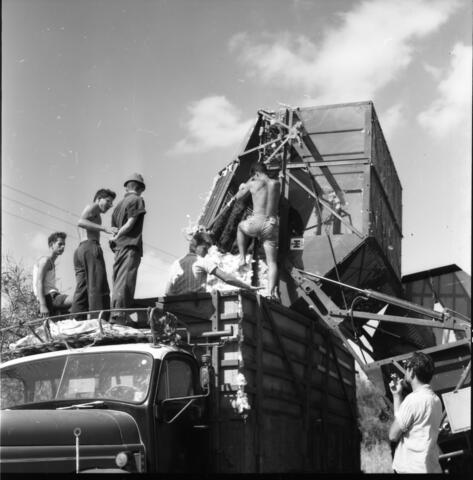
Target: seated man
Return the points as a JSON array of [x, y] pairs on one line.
[[51, 302], [189, 273], [263, 223]]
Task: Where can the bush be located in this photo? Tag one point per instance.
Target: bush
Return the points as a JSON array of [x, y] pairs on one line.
[[18, 302], [374, 420]]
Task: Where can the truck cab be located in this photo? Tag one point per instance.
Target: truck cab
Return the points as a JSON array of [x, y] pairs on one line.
[[134, 407]]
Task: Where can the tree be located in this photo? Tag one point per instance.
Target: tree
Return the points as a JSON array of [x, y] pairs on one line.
[[19, 303], [374, 418]]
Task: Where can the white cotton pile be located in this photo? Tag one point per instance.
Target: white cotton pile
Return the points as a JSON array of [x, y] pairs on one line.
[[70, 328], [229, 263], [58, 330]]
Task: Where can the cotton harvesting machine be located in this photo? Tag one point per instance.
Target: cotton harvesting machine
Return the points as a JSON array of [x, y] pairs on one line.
[[340, 249]]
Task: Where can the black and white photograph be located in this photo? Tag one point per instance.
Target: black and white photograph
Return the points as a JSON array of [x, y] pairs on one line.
[[236, 237]]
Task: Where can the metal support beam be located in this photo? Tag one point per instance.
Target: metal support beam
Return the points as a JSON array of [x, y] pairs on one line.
[[355, 314], [405, 356], [392, 300]]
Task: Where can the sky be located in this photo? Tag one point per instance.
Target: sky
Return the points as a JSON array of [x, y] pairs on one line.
[[93, 90]]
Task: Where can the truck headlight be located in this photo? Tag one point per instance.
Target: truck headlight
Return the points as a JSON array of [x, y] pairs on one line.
[[122, 459]]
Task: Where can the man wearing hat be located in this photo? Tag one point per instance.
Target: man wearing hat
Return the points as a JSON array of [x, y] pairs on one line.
[[127, 244]]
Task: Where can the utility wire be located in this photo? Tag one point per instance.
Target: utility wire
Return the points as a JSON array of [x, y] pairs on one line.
[[145, 264], [69, 213], [46, 227], [39, 211], [41, 200]]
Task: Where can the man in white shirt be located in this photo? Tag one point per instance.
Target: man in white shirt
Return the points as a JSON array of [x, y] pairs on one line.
[[417, 419], [189, 273], [51, 302]]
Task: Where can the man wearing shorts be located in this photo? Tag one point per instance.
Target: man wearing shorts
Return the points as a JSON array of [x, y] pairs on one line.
[[51, 302], [264, 221]]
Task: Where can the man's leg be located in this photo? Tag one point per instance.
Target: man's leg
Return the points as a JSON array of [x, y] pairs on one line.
[[119, 278], [97, 284], [79, 300], [125, 270], [271, 252], [61, 303], [133, 264], [242, 241]]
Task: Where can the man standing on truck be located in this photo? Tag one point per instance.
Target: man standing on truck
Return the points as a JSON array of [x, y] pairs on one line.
[[51, 302], [417, 419], [92, 290], [127, 244], [189, 273], [264, 221]]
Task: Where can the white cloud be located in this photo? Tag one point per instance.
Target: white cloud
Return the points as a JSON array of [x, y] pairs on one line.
[[434, 71], [391, 119], [152, 276], [452, 109], [371, 45], [213, 123]]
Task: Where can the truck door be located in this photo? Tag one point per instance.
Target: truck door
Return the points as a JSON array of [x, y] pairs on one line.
[[178, 441]]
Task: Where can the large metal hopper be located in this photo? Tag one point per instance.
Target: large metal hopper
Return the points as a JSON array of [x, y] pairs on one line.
[[341, 201]]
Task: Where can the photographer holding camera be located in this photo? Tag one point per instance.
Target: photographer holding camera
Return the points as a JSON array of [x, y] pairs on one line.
[[417, 419]]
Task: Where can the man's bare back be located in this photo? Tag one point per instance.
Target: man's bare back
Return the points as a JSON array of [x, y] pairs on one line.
[[265, 195], [263, 223]]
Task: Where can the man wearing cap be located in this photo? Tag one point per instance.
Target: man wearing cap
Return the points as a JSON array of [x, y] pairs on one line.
[[128, 217]]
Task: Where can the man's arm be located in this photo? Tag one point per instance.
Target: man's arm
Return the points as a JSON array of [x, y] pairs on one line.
[[396, 387], [42, 268], [243, 191], [395, 431], [125, 228], [85, 223], [232, 280]]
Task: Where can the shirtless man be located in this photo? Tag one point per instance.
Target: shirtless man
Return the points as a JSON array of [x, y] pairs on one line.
[[263, 223], [51, 302], [92, 290]]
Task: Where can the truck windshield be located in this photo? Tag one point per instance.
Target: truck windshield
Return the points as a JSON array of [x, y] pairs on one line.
[[122, 376]]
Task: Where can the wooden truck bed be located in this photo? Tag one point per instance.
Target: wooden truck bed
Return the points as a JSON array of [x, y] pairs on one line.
[[298, 380]]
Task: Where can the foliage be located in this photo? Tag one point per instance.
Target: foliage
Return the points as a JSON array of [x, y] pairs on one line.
[[374, 421], [376, 459], [18, 301]]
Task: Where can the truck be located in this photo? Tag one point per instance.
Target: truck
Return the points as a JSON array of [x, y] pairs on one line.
[[223, 383], [231, 381]]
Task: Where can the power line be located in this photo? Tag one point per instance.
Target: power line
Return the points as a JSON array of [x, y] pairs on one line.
[[69, 213], [145, 264], [40, 200], [160, 250], [33, 222], [38, 210]]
